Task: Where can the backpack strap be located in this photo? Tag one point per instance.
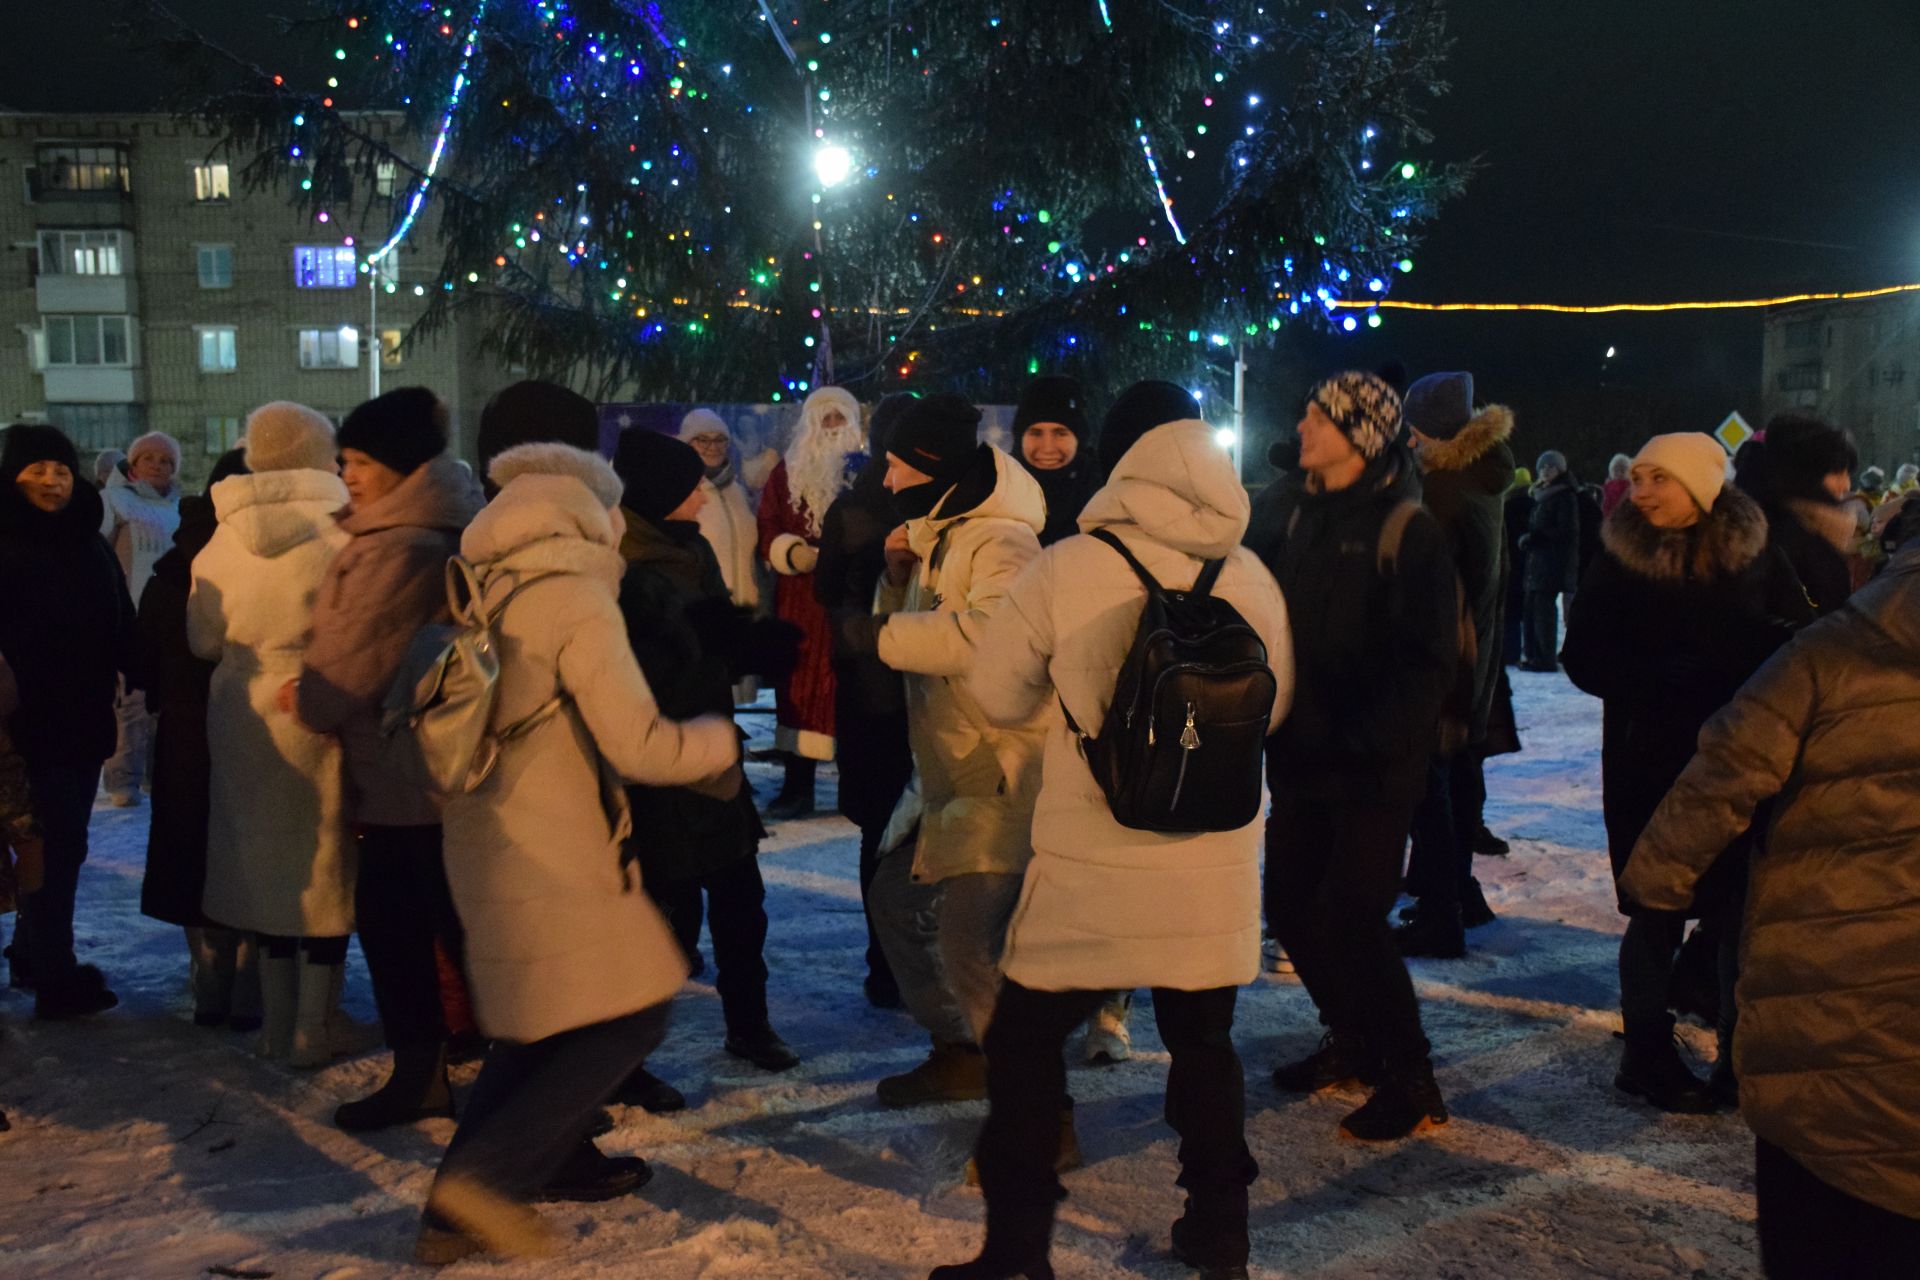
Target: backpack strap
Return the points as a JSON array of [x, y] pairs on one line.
[[1202, 585], [1392, 531]]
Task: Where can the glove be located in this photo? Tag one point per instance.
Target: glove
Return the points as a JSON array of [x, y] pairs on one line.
[[857, 635], [803, 558]]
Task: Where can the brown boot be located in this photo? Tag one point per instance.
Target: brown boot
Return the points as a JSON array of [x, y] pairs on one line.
[[951, 1073]]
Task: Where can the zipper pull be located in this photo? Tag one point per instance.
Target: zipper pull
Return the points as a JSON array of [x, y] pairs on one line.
[[1189, 739]]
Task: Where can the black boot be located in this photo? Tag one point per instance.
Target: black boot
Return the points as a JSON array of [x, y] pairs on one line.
[[1341, 1059], [1650, 1068], [985, 1268], [1435, 931], [81, 992], [650, 1093], [417, 1090], [1406, 1102], [796, 792], [1474, 910], [763, 1048], [589, 1177], [1488, 845], [1190, 1247]]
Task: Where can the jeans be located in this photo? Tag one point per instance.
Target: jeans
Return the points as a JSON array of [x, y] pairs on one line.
[[736, 914], [906, 916], [533, 1103], [1540, 642], [403, 906], [1811, 1230], [43, 931], [1205, 1105], [1334, 849], [973, 915]]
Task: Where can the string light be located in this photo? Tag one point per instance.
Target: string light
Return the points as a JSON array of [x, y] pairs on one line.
[[1160, 188], [1611, 308], [419, 199]]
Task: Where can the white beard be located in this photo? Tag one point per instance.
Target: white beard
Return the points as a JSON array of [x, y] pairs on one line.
[[817, 471]]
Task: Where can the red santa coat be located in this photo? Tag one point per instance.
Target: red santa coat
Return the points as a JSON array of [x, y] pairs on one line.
[[803, 700]]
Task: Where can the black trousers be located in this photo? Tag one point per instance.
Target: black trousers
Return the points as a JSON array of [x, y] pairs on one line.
[[877, 967], [736, 915], [1334, 851], [43, 929], [533, 1103], [1027, 1078], [1540, 642], [1444, 826], [1810, 1230], [403, 906]]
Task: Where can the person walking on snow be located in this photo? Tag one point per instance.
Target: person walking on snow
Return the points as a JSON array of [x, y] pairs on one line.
[[1552, 547], [1375, 655], [1105, 907], [572, 967], [819, 465], [140, 518], [281, 862]]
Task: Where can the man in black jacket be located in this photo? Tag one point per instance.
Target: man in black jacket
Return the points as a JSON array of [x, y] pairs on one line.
[[1373, 657], [1552, 544]]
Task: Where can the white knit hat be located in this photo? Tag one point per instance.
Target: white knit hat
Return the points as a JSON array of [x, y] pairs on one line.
[[703, 422], [284, 436], [1694, 458], [154, 442]]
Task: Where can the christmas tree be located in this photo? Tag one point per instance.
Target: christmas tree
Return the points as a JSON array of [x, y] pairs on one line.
[[741, 199]]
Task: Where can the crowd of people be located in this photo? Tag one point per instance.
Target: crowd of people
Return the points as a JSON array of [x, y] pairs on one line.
[[966, 632]]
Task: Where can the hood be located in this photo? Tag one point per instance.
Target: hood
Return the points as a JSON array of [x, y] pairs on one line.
[[1892, 600], [1731, 538], [1016, 495], [273, 512], [548, 521], [1177, 484], [1478, 447], [441, 494], [79, 520], [1835, 523]]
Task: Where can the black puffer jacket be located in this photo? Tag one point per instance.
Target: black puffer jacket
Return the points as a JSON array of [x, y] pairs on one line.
[[1373, 656], [66, 626], [1829, 995], [1466, 481], [1665, 628], [1552, 541]]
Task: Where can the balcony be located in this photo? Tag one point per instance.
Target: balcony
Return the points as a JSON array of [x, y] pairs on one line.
[[93, 384], [113, 295]]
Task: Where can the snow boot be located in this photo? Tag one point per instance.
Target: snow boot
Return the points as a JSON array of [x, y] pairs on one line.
[[589, 1177], [312, 1033], [1474, 911], [82, 992], [460, 1207], [1406, 1102], [1188, 1248], [951, 1073], [985, 1268], [1488, 845], [1650, 1068], [1434, 932], [417, 1090], [650, 1093], [1342, 1058], [763, 1048], [1108, 1041], [279, 1004], [795, 799]]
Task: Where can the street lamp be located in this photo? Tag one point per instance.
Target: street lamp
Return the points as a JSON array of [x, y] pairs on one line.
[[832, 165]]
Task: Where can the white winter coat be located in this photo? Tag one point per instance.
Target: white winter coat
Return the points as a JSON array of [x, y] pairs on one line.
[[727, 523], [1103, 906], [280, 858], [977, 781], [559, 932], [139, 524]]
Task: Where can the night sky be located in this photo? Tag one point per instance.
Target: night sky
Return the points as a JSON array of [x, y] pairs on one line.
[[1632, 150]]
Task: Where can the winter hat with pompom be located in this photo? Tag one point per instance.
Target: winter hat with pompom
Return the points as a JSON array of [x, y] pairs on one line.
[[284, 436], [1693, 458]]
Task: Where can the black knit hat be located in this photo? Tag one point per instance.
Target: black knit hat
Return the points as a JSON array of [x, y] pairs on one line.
[[937, 435], [1055, 398], [30, 442], [1140, 408], [657, 470], [534, 412], [884, 419], [402, 429]]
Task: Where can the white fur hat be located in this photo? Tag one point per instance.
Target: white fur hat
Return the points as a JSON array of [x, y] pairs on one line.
[[703, 422], [284, 436]]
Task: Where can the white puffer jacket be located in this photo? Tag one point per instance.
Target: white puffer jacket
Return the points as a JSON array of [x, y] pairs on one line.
[[1105, 907], [280, 859], [139, 524]]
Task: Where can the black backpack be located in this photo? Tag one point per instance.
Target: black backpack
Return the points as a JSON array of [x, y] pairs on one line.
[[1179, 750]]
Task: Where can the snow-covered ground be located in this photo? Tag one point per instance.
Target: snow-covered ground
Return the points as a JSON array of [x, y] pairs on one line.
[[143, 1146]]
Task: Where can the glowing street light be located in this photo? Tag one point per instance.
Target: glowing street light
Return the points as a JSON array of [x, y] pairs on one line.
[[832, 165]]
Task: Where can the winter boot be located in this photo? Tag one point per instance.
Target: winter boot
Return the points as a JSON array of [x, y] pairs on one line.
[[951, 1073], [312, 1042], [1434, 932], [1190, 1247], [1108, 1040], [417, 1090], [763, 1048], [482, 1220], [986, 1268], [1474, 910], [82, 992], [1342, 1058], [1488, 845], [1650, 1068], [1406, 1102], [796, 792], [19, 966], [279, 1004], [589, 1177], [650, 1093], [882, 991], [1273, 956]]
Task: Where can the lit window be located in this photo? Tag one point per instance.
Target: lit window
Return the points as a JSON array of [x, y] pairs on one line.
[[215, 262], [324, 266], [217, 354], [390, 348], [88, 340], [385, 177], [81, 253], [220, 435], [330, 348], [81, 169], [212, 182]]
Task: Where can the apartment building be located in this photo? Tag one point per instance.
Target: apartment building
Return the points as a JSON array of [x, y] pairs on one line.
[[143, 289], [1855, 363]]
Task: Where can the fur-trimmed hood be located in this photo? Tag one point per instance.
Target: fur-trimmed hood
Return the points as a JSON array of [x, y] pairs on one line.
[[551, 459], [1491, 426], [1834, 523], [1725, 543]]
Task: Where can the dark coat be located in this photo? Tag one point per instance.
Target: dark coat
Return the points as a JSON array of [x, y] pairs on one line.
[[1466, 479], [1374, 656], [1552, 540], [1829, 992], [177, 690], [684, 627], [1067, 490], [66, 626], [1811, 532], [871, 748], [1665, 628]]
